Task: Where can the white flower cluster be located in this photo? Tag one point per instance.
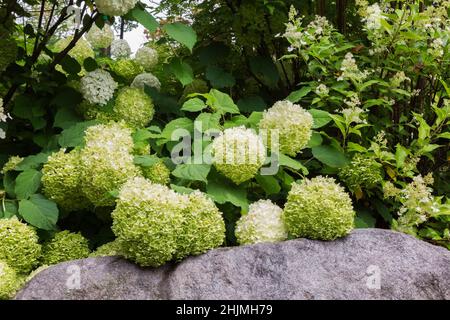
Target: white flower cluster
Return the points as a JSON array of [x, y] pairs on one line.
[[398, 79], [115, 7], [350, 70], [98, 87], [238, 154], [146, 79], [147, 57], [373, 17], [100, 38], [120, 49], [436, 48], [353, 115], [262, 223], [322, 90]]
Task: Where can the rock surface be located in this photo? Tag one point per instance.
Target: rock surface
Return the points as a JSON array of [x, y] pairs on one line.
[[368, 264]]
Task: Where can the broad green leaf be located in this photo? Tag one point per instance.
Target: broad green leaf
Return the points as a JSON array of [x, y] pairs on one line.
[[209, 121], [27, 183], [74, 135], [9, 183], [444, 135], [90, 64], [10, 209], [219, 78], [269, 184], [66, 117], [222, 102], [194, 105], [180, 123], [330, 156], [182, 33], [252, 103], [265, 69], [364, 219], [70, 65], [222, 191], [146, 160], [424, 128], [181, 189], [182, 71], [316, 140], [144, 18], [39, 212], [286, 161], [401, 153], [194, 172], [296, 96], [321, 118]]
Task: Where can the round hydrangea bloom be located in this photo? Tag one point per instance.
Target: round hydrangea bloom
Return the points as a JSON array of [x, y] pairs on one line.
[[146, 79], [203, 227], [134, 106], [115, 7], [292, 123], [106, 162], [318, 209], [157, 173], [362, 172], [109, 249], [100, 38], [61, 180], [262, 223], [98, 87], [65, 246], [80, 52], [120, 49], [9, 282], [127, 69], [238, 154], [19, 246], [147, 221], [147, 57], [11, 164]]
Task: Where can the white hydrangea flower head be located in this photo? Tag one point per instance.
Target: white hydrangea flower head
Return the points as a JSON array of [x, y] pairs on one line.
[[350, 70], [147, 57], [146, 79], [100, 38], [98, 87], [238, 154], [291, 123], [115, 7], [262, 223], [120, 49], [106, 162]]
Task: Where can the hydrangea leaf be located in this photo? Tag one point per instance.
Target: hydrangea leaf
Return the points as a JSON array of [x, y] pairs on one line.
[[195, 172], [182, 33], [27, 183], [39, 212]]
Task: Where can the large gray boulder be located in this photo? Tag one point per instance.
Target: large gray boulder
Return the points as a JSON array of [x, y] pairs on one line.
[[368, 264]]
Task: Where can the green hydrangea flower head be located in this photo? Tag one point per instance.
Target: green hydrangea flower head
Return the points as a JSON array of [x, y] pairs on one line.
[[19, 246], [238, 154], [109, 249], [80, 52], [157, 173], [100, 38], [147, 221], [147, 57], [106, 161], [9, 281], [262, 223], [146, 79], [65, 246], [318, 209], [115, 7], [61, 180], [135, 107], [203, 227], [291, 122], [11, 164], [127, 69], [363, 172]]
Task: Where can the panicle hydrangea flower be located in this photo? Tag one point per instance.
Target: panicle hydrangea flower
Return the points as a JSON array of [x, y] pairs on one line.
[[108, 250], [11, 164], [373, 17], [147, 57], [134, 107], [203, 227], [157, 173], [106, 161], [147, 221], [318, 209], [115, 7], [61, 180], [362, 172], [98, 87], [80, 52], [9, 281], [322, 90], [262, 223], [238, 154], [19, 246], [127, 69], [120, 49], [292, 123], [146, 79], [100, 38], [350, 70], [398, 79], [65, 246]]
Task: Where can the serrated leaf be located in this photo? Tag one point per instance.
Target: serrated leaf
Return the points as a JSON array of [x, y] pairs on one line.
[[209, 121], [296, 96], [74, 135], [330, 156], [194, 105], [269, 184], [144, 18], [219, 78], [321, 118], [286, 161], [27, 183], [193, 172], [223, 191], [222, 102], [182, 71], [39, 212], [182, 33]]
